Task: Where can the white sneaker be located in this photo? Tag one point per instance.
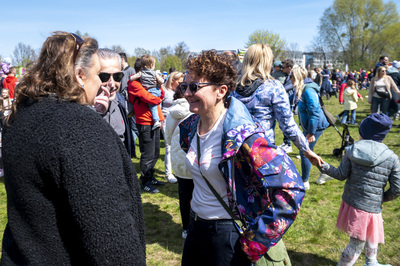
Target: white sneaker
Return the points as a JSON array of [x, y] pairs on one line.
[[298, 156], [307, 185], [286, 148], [184, 234], [156, 125], [323, 178], [171, 178]]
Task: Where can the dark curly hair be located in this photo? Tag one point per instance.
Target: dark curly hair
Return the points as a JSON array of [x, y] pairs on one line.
[[215, 68]]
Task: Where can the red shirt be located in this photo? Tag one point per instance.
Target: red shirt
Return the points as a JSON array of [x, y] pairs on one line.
[[141, 98], [9, 83]]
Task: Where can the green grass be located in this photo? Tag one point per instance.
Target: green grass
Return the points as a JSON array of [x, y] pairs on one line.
[[312, 240]]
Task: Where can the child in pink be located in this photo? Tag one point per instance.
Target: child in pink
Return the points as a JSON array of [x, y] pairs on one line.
[[367, 166]]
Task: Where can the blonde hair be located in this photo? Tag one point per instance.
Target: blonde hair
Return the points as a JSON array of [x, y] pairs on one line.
[[7, 100], [173, 76], [299, 73], [378, 71], [257, 64], [350, 83]]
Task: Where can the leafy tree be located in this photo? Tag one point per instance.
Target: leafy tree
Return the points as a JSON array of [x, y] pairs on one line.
[[117, 48], [274, 41], [141, 51], [182, 52], [172, 61], [361, 30], [23, 55]]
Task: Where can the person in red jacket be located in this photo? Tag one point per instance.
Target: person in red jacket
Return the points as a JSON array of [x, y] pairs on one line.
[[10, 81], [149, 140]]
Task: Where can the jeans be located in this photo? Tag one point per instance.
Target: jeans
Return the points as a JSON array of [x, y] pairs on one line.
[[149, 144], [153, 107], [213, 242], [185, 191], [383, 103], [352, 118], [305, 163]]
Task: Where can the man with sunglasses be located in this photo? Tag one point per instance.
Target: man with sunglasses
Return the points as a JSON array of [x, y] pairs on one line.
[[106, 103]]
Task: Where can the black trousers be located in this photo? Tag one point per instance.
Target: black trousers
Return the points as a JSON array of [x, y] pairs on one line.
[[185, 190], [149, 144]]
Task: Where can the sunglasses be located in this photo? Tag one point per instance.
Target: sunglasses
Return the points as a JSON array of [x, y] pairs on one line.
[[78, 44], [117, 76], [194, 87]]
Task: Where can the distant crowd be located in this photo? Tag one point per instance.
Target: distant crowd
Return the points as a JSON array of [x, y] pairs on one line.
[[69, 130]]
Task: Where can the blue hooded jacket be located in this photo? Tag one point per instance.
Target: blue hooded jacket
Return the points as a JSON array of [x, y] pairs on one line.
[[311, 116]]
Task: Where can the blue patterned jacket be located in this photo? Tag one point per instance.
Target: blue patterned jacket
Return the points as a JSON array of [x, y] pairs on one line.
[[265, 190], [268, 101]]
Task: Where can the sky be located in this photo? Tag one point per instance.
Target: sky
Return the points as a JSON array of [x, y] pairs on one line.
[[202, 25]]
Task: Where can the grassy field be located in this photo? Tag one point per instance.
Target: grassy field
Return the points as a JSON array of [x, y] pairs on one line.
[[312, 240]]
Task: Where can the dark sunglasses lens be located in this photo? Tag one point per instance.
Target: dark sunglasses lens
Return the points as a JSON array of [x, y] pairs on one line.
[[104, 77], [118, 76], [193, 87], [183, 87]]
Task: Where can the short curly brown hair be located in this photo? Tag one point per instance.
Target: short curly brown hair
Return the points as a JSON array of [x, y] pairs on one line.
[[214, 67]]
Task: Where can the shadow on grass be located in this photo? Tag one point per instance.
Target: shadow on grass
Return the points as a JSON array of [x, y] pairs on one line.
[[161, 229], [299, 258], [2, 179]]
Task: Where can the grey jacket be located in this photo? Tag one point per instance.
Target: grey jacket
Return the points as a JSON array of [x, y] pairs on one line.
[[368, 166], [148, 79]]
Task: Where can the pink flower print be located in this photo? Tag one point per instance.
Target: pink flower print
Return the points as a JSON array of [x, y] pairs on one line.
[[241, 209]]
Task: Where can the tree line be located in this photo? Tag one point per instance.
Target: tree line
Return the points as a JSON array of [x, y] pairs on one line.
[[354, 32]]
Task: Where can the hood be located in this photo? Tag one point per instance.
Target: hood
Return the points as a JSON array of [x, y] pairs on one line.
[[180, 109], [312, 85], [248, 90], [392, 70], [368, 152], [349, 91], [10, 79], [238, 126]]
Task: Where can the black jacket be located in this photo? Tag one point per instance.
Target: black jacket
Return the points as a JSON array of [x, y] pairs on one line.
[[72, 192]]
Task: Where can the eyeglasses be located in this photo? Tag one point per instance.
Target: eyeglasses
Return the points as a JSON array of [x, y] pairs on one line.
[[117, 76], [194, 87], [78, 44]]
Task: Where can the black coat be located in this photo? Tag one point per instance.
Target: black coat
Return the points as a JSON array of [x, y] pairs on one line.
[[72, 192]]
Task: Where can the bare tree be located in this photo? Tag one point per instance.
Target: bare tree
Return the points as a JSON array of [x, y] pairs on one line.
[[23, 55]]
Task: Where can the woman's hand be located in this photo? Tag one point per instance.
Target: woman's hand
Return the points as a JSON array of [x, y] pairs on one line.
[[310, 138], [102, 101], [313, 158]]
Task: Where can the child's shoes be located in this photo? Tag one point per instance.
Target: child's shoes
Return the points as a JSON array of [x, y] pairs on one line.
[[156, 125]]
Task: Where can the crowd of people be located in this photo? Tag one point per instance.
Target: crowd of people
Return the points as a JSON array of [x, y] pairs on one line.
[[69, 130]]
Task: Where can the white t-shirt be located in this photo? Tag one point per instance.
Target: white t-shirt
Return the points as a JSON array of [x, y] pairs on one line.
[[379, 84], [204, 203]]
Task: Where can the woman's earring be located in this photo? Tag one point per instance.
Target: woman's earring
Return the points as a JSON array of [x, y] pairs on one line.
[[83, 85]]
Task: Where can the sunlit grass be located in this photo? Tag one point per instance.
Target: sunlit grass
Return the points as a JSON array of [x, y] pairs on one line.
[[312, 240]]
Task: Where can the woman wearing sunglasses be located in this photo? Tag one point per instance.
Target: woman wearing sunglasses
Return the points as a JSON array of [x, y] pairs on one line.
[[267, 99], [236, 173], [72, 191], [380, 91]]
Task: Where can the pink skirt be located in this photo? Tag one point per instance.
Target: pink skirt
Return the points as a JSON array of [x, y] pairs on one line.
[[359, 224]]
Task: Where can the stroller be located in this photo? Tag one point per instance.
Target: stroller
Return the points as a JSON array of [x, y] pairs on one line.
[[347, 140]]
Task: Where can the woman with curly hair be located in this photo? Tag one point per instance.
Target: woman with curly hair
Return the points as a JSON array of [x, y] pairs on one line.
[[246, 192], [72, 191]]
